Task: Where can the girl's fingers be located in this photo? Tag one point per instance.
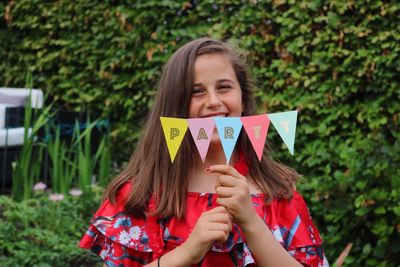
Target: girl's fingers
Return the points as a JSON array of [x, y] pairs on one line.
[[225, 219], [226, 180], [218, 209], [219, 214], [220, 227], [223, 191], [224, 169], [225, 202], [218, 236], [220, 217]]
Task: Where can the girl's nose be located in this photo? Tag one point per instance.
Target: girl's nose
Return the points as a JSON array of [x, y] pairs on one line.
[[213, 99]]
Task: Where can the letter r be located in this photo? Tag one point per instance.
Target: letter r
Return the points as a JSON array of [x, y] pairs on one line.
[[228, 133]]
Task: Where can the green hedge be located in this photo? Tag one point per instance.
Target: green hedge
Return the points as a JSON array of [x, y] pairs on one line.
[[337, 62]]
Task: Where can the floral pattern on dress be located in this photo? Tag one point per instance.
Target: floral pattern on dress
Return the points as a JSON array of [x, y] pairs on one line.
[[122, 240]]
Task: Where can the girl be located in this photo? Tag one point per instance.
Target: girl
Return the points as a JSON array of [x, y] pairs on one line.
[[191, 213]]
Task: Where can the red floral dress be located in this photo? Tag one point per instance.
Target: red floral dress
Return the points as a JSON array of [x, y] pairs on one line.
[[122, 240]]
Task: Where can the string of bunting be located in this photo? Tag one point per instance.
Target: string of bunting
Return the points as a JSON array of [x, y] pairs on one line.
[[228, 128]]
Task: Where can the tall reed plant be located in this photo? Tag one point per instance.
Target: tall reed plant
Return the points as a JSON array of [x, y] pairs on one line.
[[27, 169], [72, 164], [63, 163], [104, 160], [96, 168]]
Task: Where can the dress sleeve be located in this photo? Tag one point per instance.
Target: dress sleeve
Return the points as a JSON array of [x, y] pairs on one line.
[[121, 239], [293, 227], [113, 252]]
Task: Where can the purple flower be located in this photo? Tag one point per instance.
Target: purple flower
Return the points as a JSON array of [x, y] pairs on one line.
[[56, 197], [39, 186], [75, 192]]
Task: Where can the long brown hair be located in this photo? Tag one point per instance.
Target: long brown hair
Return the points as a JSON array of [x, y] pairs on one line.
[[150, 168]]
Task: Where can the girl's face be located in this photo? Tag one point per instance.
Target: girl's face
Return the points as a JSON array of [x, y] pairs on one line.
[[216, 90]]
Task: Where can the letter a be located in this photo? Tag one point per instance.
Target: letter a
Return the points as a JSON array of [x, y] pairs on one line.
[[202, 134]]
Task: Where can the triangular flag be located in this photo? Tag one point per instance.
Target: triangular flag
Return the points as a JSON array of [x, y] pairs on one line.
[[202, 130], [228, 131], [285, 124], [256, 128], [174, 131]]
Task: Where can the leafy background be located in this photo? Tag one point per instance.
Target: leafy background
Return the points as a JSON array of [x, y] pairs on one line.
[[40, 232], [337, 62]]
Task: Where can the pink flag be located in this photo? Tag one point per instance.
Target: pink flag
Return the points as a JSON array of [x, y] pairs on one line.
[[256, 128], [202, 130]]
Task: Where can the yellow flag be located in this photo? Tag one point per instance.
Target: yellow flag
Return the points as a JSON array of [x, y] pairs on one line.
[[174, 130]]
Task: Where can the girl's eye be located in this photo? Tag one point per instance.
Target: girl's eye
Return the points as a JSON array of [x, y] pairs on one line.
[[197, 91], [224, 87]]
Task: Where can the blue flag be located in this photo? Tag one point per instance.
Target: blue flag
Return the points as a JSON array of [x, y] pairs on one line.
[[228, 131]]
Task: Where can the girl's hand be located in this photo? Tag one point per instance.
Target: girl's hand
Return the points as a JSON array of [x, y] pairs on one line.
[[212, 226], [233, 193]]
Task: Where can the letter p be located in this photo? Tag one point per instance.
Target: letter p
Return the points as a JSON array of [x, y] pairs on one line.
[[174, 133]]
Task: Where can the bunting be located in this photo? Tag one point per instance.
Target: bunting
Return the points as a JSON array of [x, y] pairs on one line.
[[285, 124], [202, 130], [174, 131], [228, 128], [256, 128]]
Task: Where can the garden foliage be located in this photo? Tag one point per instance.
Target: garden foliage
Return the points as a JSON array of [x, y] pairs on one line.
[[76, 163], [337, 62], [41, 232]]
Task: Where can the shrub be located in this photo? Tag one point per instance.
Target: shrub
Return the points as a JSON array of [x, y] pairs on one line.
[[44, 232]]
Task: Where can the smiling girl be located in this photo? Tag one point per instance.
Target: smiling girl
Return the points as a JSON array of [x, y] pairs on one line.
[[191, 213]]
